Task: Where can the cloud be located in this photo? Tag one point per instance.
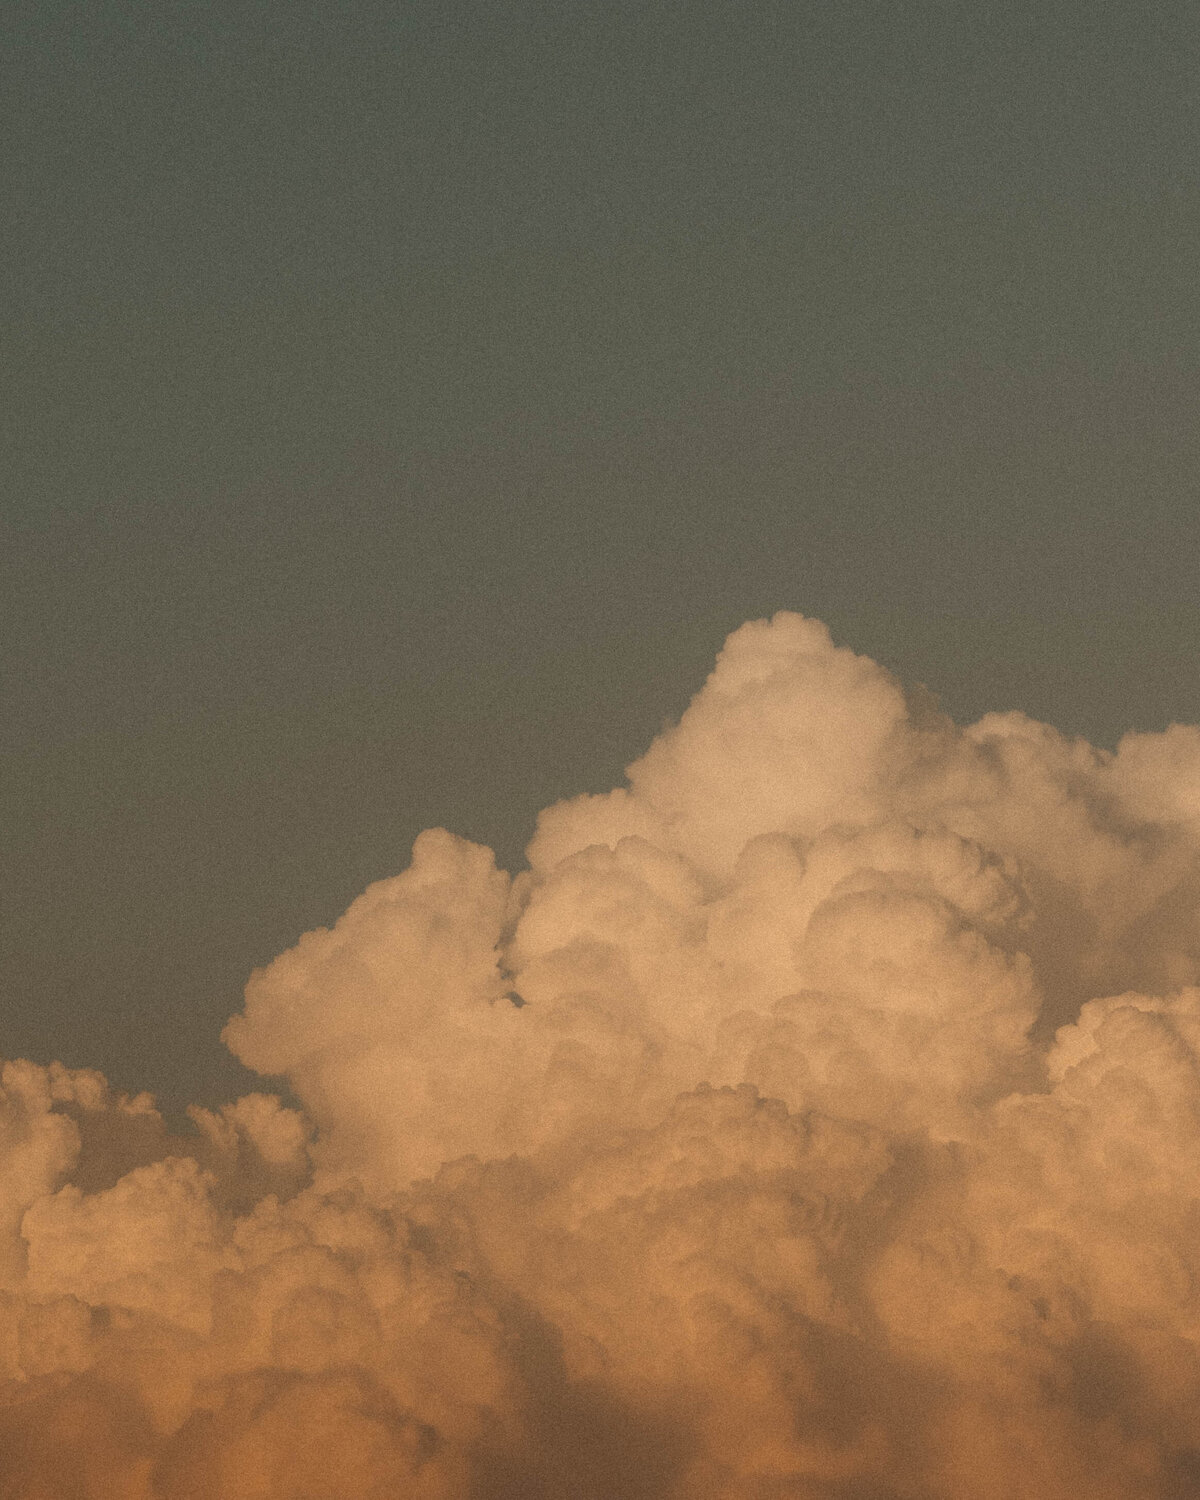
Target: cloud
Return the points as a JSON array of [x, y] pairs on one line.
[[817, 1117]]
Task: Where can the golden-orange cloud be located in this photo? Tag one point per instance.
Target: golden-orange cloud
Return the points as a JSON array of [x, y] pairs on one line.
[[817, 1117]]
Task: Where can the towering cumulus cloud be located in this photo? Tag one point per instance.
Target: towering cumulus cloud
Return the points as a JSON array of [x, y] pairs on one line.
[[818, 1116]]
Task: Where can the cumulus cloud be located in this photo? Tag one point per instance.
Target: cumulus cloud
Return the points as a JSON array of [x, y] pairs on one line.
[[817, 1116]]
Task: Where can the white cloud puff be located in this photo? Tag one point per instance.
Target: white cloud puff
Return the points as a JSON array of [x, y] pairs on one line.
[[817, 1117]]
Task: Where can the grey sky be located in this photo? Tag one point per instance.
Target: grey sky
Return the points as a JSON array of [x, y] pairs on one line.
[[403, 401]]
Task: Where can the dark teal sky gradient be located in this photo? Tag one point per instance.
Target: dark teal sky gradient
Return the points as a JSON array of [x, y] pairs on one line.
[[403, 401]]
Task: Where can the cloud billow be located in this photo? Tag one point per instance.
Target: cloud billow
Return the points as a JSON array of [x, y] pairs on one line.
[[816, 1118]]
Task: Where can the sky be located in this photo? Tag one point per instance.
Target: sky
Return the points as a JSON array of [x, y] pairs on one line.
[[598, 627], [403, 401]]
